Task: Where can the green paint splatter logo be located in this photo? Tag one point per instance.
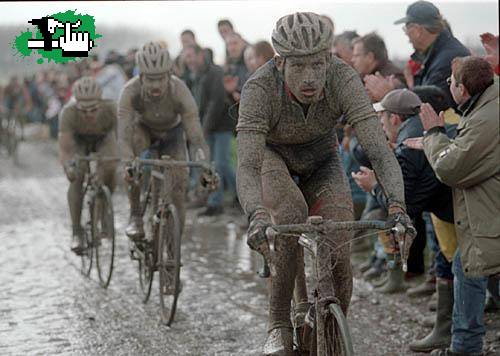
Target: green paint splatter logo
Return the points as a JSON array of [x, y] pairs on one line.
[[61, 37]]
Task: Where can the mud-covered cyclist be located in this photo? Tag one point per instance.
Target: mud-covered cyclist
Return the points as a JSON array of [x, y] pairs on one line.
[[87, 124], [289, 166], [156, 108]]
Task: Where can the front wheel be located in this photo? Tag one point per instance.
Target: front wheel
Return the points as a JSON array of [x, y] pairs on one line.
[[88, 242], [169, 262], [338, 336], [103, 232]]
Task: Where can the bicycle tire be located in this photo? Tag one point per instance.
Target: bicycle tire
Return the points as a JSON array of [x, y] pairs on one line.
[[169, 263], [146, 264], [87, 254], [104, 236], [340, 331]]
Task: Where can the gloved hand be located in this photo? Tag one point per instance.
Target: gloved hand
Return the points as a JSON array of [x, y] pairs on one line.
[[260, 220], [209, 180], [128, 173], [399, 218], [70, 169]]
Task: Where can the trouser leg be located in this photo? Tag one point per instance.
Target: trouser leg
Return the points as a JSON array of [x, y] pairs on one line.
[[287, 205], [468, 328]]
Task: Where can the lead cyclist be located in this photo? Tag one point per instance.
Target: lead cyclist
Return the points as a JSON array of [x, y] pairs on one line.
[[288, 164]]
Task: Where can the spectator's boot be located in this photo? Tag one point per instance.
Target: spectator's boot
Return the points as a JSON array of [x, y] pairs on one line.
[[212, 211], [365, 266], [428, 287], [135, 229], [77, 243], [448, 352], [395, 281], [375, 270], [428, 321], [440, 336], [279, 342], [432, 305]]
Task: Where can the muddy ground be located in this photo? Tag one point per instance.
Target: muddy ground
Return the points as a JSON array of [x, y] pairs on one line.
[[47, 307]]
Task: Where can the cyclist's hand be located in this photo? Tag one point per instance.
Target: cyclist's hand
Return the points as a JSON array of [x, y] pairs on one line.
[[260, 220], [405, 239], [209, 180], [128, 173], [70, 169]]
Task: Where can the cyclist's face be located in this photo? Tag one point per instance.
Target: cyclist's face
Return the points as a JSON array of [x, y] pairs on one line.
[[88, 109], [155, 85], [305, 76]]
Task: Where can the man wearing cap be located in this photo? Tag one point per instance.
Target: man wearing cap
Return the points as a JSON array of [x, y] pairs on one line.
[[435, 46], [398, 112]]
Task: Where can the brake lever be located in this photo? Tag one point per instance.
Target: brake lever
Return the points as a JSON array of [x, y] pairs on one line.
[[399, 232]]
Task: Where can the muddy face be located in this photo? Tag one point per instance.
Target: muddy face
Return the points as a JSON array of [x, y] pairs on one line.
[[155, 86], [305, 76], [88, 110]]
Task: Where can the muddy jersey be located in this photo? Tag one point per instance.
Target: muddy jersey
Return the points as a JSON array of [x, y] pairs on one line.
[[270, 118], [71, 120], [177, 106]]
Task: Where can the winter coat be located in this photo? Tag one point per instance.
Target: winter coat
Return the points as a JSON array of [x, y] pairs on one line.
[[423, 191], [470, 164], [208, 91], [436, 65]]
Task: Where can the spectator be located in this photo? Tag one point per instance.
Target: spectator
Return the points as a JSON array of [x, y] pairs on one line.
[[111, 77], [208, 91], [423, 192], [180, 69], [257, 55], [235, 72], [225, 28], [369, 56], [490, 44], [469, 164], [342, 46]]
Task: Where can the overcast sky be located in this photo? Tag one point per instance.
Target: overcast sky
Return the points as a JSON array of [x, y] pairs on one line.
[[255, 19]]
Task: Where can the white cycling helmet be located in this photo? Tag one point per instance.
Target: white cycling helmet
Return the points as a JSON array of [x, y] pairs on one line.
[[86, 88], [302, 34], [153, 58]]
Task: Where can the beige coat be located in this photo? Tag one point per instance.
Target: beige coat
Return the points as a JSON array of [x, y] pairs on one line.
[[470, 164]]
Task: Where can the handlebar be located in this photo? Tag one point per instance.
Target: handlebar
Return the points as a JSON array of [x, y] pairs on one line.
[[316, 224]]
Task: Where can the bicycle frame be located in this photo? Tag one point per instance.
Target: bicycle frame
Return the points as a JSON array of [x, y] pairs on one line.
[[310, 236]]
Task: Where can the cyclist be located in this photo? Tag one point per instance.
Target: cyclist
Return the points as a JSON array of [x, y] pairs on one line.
[[289, 167], [156, 108], [87, 124]]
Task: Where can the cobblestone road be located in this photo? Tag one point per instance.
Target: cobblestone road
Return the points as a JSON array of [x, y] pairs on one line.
[[47, 307]]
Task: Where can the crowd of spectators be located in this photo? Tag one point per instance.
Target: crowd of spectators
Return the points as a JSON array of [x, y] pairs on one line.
[[440, 116]]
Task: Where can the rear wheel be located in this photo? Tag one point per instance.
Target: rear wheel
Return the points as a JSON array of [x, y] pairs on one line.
[[169, 262], [103, 231]]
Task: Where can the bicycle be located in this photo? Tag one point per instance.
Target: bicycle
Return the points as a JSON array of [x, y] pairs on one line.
[[161, 248], [328, 323], [98, 226]]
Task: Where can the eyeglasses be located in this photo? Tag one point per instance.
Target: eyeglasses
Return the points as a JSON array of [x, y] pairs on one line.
[[448, 81], [407, 27]]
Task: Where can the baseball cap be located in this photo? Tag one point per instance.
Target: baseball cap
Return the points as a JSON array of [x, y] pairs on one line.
[[399, 101], [422, 13]]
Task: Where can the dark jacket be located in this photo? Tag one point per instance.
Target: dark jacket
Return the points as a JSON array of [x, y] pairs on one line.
[[436, 64], [423, 191], [208, 91]]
